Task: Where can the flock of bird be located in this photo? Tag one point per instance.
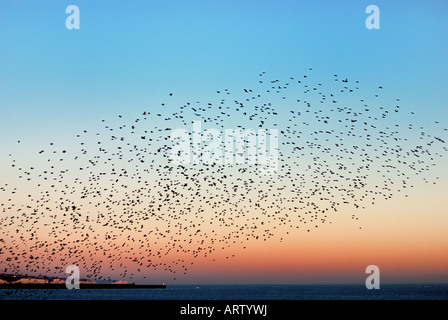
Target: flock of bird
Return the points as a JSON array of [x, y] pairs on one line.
[[115, 204]]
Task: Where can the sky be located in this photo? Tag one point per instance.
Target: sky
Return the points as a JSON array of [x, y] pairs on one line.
[[128, 56]]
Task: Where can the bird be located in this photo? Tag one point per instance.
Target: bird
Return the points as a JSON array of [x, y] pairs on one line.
[[114, 203]]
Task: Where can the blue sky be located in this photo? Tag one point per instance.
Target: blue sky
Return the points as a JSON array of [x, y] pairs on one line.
[[128, 56], [131, 54]]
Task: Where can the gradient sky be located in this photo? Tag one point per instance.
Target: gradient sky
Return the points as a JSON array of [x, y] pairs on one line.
[[128, 55]]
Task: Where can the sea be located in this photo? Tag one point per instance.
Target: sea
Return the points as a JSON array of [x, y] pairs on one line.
[[239, 292]]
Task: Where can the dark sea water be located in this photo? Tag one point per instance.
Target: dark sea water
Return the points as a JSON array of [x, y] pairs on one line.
[[239, 292]]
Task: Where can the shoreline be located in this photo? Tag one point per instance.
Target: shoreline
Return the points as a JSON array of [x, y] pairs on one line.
[[81, 286]]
